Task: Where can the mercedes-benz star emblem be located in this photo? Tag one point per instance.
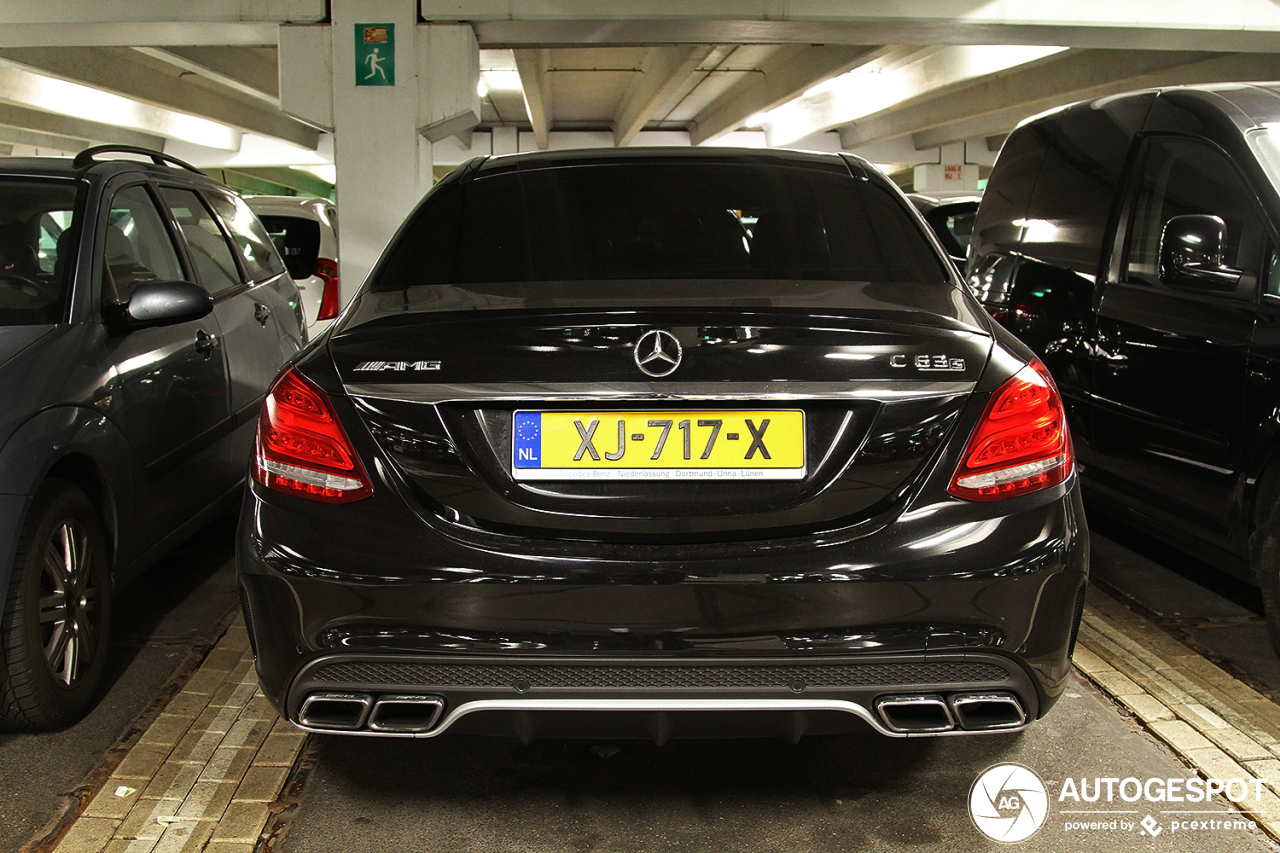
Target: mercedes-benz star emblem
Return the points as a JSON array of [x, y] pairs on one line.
[[658, 353]]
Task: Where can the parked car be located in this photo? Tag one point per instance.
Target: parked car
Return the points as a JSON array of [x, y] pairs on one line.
[[305, 231], [951, 219], [587, 456], [143, 316], [1131, 242]]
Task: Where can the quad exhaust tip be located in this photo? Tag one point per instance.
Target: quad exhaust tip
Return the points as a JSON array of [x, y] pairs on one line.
[[343, 712], [932, 713], [389, 714], [405, 714], [916, 714], [987, 712]]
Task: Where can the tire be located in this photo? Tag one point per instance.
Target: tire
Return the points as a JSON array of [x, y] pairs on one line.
[[51, 661]]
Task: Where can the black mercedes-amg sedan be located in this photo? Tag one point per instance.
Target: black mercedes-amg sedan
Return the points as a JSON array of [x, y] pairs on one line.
[[663, 443]]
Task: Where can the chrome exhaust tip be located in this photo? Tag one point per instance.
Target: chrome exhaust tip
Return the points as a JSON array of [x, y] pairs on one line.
[[405, 714], [341, 712], [915, 714], [985, 712]]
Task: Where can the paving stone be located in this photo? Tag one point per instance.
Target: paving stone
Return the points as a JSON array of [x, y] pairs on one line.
[[223, 658], [127, 846], [142, 821], [107, 804], [143, 761], [1268, 769], [172, 781], [187, 704], [205, 681], [197, 746], [263, 783], [248, 733], [1215, 764], [230, 847], [281, 748], [1180, 735], [87, 835], [1237, 745], [259, 709], [1116, 683], [1145, 707], [185, 837], [207, 800], [167, 729], [233, 693], [1088, 662], [242, 822], [228, 764]]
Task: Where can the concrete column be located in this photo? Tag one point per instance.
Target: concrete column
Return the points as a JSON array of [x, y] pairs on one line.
[[952, 173], [382, 134]]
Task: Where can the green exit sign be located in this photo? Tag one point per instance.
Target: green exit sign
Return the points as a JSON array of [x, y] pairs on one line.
[[375, 54]]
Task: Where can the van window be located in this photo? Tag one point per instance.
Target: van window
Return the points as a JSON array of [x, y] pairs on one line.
[[1183, 176], [1079, 183]]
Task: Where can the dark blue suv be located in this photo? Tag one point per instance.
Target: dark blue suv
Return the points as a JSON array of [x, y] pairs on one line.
[[143, 315]]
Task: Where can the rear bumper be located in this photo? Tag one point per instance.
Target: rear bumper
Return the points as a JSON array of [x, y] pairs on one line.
[[958, 601]]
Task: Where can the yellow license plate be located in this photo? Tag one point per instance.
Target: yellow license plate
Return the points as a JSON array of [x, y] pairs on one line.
[[710, 445]]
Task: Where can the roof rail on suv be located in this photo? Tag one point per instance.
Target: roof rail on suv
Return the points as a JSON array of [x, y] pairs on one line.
[[87, 157]]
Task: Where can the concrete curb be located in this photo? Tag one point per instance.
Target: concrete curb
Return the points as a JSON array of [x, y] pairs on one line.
[[1220, 726], [204, 775]]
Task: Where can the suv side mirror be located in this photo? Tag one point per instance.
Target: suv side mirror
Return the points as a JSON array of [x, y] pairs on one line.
[[1191, 253], [165, 303]]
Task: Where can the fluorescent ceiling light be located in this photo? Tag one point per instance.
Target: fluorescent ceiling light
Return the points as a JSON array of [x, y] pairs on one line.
[[865, 91], [324, 173], [49, 94], [501, 80]]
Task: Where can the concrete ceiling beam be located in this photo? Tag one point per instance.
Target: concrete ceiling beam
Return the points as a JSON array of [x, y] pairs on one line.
[[664, 71], [786, 74], [24, 119], [994, 105], [532, 65], [251, 71], [132, 75]]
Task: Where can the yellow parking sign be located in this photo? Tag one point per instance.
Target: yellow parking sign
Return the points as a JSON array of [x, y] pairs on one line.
[[375, 54]]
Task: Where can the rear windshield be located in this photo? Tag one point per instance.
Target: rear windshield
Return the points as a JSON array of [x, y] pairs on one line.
[[298, 241], [660, 221], [38, 223]]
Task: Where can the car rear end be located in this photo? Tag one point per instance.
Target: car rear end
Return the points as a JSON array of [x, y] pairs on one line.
[[305, 233], [663, 444]]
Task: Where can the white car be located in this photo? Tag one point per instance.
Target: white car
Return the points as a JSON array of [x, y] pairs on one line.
[[305, 231]]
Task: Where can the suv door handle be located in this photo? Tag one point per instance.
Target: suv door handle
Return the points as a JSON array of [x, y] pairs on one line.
[[261, 313], [205, 342]]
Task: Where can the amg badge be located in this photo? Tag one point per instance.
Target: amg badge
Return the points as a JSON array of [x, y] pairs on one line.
[[398, 366]]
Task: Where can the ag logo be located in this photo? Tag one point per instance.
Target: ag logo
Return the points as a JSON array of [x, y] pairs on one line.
[[1008, 803]]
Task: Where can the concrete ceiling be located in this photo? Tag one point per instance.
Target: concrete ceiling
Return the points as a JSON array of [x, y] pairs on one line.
[[895, 82]]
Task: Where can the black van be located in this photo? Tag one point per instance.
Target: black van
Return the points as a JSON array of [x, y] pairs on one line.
[[1131, 242]]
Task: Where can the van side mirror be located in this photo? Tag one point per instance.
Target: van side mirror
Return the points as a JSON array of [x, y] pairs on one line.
[[164, 303], [1191, 253]]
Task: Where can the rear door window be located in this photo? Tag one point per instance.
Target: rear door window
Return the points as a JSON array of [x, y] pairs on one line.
[[256, 250], [212, 255]]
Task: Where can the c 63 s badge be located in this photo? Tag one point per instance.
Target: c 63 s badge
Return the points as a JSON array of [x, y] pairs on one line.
[[928, 363], [397, 366]]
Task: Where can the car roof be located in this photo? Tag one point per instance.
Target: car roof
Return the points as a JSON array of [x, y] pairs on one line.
[[287, 205], [596, 156]]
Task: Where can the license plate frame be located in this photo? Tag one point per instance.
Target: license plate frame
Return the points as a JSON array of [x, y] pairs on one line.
[[635, 445]]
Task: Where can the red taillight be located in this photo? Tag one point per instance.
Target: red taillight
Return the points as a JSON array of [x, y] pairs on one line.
[[1021, 445], [302, 449], [328, 270]]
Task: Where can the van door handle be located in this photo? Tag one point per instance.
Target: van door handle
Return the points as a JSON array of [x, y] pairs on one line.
[[205, 342], [261, 313]]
